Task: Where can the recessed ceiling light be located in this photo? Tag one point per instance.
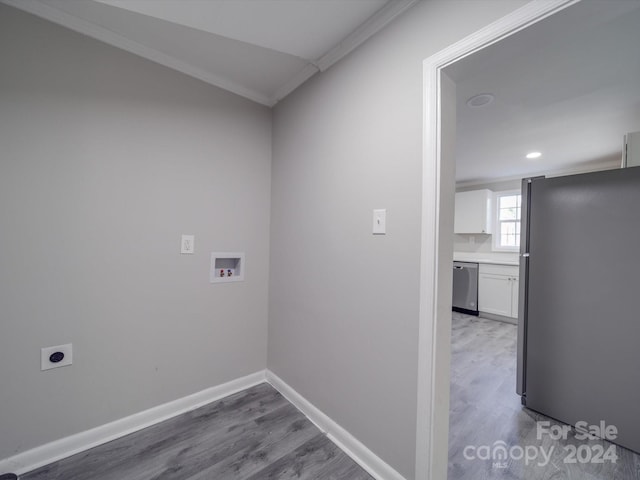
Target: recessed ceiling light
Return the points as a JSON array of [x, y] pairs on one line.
[[532, 155], [480, 100]]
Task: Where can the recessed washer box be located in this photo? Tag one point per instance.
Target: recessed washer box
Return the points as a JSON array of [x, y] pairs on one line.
[[226, 267]]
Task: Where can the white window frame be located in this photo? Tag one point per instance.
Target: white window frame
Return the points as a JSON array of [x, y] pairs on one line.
[[496, 247]]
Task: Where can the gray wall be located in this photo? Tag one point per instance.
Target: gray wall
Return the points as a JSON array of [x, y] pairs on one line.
[[343, 318], [106, 159]]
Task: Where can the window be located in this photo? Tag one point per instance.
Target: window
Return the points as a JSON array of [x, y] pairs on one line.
[[506, 235]]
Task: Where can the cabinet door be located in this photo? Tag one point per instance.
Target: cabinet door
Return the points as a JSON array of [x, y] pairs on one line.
[[495, 294], [473, 212], [515, 288]]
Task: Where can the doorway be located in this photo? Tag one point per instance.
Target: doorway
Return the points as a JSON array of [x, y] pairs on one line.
[[437, 234], [437, 230]]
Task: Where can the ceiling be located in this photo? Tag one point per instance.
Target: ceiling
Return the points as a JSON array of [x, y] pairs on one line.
[[568, 87], [259, 49]]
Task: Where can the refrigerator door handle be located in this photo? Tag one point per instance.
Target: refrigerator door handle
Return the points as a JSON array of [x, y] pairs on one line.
[[522, 328], [523, 294]]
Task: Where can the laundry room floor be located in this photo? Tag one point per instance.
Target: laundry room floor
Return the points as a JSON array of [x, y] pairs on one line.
[[255, 434]]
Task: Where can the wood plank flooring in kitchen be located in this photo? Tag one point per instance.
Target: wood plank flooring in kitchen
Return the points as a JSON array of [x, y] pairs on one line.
[[254, 434], [485, 409]]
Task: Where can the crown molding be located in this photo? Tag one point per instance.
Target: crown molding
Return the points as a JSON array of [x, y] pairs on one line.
[[55, 15], [374, 24], [556, 172]]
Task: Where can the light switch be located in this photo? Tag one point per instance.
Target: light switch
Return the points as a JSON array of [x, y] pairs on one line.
[[186, 245], [380, 222]]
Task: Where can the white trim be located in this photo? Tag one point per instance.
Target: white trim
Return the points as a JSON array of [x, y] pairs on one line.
[[52, 14], [587, 168], [51, 452], [374, 24], [364, 457], [432, 464], [79, 442], [298, 79]]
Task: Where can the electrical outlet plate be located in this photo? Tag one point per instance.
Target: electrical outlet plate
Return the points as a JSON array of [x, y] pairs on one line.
[[187, 244], [46, 358]]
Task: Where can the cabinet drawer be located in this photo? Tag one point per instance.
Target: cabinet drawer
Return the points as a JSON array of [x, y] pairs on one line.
[[507, 270]]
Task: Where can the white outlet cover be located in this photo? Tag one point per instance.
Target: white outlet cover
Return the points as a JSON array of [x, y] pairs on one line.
[[47, 352], [187, 244]]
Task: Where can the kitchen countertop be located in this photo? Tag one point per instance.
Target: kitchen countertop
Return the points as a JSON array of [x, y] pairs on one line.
[[492, 258]]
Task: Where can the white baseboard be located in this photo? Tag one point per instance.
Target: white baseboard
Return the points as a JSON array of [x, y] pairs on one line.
[[79, 442], [51, 452], [498, 318], [364, 457]]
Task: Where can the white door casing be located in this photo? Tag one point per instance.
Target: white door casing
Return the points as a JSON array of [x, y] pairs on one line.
[[437, 227]]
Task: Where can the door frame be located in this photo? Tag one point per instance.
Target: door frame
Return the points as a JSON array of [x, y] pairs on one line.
[[437, 214]]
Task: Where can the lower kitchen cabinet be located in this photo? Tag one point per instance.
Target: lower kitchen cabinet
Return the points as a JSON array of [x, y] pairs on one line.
[[498, 289]]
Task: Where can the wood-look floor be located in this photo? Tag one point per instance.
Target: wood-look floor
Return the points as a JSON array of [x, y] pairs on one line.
[[485, 409], [254, 434]]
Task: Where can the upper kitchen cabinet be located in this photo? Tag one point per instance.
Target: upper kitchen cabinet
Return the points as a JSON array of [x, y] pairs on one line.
[[473, 212]]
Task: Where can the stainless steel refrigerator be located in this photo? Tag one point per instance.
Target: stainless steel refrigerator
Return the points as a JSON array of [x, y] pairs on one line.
[[579, 308]]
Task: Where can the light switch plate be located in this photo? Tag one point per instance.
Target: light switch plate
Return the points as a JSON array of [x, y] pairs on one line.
[[187, 244], [380, 221]]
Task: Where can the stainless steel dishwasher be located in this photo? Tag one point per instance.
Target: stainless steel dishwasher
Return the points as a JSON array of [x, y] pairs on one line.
[[465, 287]]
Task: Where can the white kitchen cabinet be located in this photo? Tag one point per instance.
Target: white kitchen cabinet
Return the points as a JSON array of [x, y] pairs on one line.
[[473, 212], [498, 289], [515, 288]]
